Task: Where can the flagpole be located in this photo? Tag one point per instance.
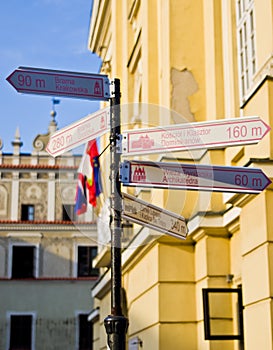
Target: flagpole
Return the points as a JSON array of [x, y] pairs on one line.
[[115, 324]]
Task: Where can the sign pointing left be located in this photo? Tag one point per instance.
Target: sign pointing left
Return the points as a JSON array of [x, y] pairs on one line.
[[60, 83], [74, 135]]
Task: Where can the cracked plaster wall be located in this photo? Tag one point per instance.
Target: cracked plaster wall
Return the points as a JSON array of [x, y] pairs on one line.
[[183, 86]]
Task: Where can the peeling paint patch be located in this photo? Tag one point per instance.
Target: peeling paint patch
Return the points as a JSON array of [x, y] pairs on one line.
[[183, 86]]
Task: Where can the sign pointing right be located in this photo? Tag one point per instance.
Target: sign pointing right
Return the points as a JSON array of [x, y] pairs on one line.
[[189, 136], [193, 177]]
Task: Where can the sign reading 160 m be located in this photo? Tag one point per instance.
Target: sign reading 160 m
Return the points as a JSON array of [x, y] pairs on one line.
[[188, 136], [242, 131]]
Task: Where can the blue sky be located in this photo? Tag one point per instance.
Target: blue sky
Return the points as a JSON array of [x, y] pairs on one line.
[[50, 34]]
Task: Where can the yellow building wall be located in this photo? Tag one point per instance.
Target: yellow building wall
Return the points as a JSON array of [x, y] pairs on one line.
[[105, 310], [264, 32], [161, 294], [236, 255], [182, 55]]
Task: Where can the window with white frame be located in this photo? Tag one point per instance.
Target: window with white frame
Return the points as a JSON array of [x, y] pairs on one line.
[[21, 332], [86, 254], [23, 261], [246, 44]]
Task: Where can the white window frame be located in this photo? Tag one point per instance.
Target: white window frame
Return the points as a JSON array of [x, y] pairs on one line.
[[33, 325], [36, 256], [75, 265], [246, 43]]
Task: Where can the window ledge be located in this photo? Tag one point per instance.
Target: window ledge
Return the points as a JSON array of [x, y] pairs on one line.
[[256, 88]]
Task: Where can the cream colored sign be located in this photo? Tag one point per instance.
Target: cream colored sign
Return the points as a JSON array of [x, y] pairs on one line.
[[190, 136], [149, 215]]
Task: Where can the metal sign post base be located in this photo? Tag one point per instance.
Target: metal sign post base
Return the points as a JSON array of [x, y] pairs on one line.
[[116, 328]]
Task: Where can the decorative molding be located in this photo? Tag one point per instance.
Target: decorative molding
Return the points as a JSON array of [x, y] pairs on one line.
[[135, 53], [40, 142], [46, 226], [25, 234], [133, 10]]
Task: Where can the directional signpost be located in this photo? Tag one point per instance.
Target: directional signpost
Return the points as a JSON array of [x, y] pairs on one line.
[[182, 137], [91, 87], [60, 83], [190, 136], [149, 215], [193, 177], [80, 132]]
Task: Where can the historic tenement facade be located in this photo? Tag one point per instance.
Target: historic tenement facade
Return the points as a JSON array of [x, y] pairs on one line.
[[45, 251], [184, 61]]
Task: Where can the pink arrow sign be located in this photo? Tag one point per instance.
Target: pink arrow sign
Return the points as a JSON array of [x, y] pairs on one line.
[[85, 129], [193, 177], [190, 136], [60, 83]]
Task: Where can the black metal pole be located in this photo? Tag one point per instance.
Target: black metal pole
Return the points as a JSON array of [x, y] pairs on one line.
[[115, 324]]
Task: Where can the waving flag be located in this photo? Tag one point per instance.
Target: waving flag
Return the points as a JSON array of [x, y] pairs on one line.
[[81, 201], [55, 101], [94, 184], [89, 186]]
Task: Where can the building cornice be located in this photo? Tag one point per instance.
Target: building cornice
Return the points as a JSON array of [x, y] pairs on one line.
[[40, 167], [9, 225], [220, 224], [97, 30]]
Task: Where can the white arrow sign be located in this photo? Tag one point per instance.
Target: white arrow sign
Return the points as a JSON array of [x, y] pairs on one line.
[[193, 177], [146, 214], [189, 136], [85, 129], [60, 83]]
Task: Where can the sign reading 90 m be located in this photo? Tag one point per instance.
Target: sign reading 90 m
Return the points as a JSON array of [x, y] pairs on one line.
[[60, 83]]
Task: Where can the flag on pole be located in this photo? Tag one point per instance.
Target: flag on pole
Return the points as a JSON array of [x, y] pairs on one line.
[[81, 201], [94, 184], [89, 186], [55, 101]]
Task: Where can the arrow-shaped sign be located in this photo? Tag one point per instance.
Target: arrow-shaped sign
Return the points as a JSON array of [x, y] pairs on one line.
[[60, 83], [149, 215], [189, 136], [74, 135], [193, 177]]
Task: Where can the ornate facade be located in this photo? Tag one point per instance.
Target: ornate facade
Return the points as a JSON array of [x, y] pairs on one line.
[[45, 251]]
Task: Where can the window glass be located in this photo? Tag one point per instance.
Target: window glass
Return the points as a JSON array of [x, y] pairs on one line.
[[69, 212], [85, 333], [246, 45], [86, 255], [23, 261], [27, 212], [20, 332]]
